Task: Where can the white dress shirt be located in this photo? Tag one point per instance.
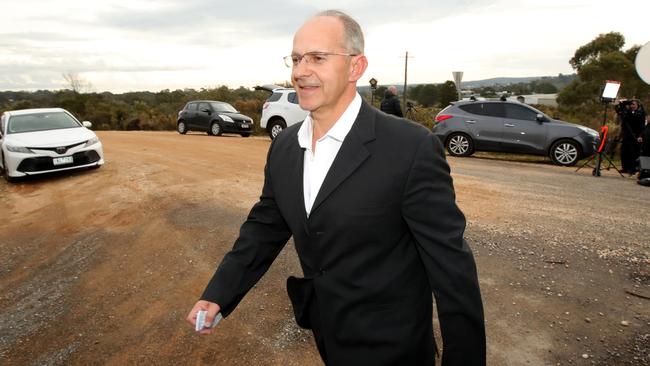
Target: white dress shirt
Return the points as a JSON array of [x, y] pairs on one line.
[[318, 163]]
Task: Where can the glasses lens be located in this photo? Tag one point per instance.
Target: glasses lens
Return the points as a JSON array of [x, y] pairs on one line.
[[287, 61]]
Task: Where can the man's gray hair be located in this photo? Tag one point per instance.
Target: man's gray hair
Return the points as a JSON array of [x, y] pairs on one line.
[[352, 30]]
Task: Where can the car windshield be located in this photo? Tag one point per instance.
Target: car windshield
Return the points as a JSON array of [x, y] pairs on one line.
[[223, 107], [40, 122]]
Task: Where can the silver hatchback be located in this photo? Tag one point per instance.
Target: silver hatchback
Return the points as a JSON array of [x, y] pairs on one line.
[[504, 126]]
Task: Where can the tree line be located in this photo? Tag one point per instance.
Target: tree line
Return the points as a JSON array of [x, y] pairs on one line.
[[134, 110], [579, 95]]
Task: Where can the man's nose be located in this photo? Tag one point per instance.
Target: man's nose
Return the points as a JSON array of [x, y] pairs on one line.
[[300, 69]]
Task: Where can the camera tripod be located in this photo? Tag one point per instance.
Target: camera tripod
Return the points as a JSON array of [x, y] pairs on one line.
[[601, 152], [601, 155], [410, 109]]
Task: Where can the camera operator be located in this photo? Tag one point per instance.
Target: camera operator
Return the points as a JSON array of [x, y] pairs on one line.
[[632, 119], [390, 103]]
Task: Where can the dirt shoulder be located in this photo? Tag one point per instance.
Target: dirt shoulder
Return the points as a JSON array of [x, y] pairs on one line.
[[101, 267]]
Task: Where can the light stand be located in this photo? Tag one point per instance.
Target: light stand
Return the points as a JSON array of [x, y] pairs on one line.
[[609, 95]]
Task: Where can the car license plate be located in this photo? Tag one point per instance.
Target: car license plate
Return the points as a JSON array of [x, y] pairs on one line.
[[245, 125], [63, 160]]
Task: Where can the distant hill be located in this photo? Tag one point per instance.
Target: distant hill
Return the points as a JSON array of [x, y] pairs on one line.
[[498, 81], [559, 81]]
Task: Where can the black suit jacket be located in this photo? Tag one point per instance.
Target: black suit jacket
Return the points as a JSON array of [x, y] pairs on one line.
[[384, 234]]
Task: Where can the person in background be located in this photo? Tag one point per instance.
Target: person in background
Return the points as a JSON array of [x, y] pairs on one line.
[[390, 103], [645, 137], [632, 124]]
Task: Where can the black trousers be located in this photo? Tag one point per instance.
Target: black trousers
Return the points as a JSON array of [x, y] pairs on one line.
[[630, 151]]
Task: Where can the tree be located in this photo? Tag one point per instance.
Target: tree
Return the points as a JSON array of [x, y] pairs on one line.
[[77, 83], [424, 94], [596, 62], [545, 88], [603, 44], [447, 93], [488, 91], [379, 92]]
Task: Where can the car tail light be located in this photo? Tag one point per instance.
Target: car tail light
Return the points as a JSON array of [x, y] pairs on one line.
[[266, 104], [443, 117]]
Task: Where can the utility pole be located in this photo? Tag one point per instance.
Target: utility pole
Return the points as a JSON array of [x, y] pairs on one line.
[[406, 66]]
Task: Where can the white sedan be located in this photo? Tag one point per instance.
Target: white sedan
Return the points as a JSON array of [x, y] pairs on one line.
[[44, 140]]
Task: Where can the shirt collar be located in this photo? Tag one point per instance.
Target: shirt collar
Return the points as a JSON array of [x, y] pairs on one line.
[[340, 129]]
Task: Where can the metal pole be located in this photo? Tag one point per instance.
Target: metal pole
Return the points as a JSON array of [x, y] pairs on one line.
[[406, 65]]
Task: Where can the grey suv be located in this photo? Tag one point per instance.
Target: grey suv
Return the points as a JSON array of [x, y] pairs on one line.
[[468, 126]]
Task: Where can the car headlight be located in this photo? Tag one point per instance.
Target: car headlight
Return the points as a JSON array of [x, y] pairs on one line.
[[19, 149], [92, 141], [225, 118], [593, 133]]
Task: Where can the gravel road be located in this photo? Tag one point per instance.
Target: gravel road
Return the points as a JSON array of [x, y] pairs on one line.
[[101, 266]]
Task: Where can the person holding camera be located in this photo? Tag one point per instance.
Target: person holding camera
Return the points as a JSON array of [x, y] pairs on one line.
[[632, 124], [390, 103]]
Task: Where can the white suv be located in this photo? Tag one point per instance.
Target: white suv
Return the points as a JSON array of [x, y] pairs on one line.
[[280, 110]]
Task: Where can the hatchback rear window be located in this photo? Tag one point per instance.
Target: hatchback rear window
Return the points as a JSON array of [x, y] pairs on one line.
[[274, 97]]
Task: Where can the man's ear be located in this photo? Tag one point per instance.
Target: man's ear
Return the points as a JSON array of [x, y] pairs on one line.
[[358, 67]]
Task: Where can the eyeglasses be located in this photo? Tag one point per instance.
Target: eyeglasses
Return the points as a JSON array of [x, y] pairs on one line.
[[312, 58]]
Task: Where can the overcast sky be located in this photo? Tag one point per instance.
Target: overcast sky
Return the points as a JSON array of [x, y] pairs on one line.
[[119, 45]]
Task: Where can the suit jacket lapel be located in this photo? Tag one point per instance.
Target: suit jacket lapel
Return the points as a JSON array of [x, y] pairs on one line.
[[352, 154], [295, 162]]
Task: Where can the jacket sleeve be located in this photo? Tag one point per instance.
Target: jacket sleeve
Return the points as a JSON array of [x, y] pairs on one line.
[[261, 238], [437, 226]]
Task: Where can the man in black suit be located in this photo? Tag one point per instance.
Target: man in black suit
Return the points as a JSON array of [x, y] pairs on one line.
[[370, 204]]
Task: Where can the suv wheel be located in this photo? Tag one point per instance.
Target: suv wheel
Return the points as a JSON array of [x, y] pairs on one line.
[[182, 128], [215, 129], [459, 144], [565, 152], [275, 127]]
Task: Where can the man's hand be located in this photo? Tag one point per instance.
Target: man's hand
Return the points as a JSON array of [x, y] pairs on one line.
[[212, 310]]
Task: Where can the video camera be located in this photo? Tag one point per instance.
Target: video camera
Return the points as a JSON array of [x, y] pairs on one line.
[[622, 106]]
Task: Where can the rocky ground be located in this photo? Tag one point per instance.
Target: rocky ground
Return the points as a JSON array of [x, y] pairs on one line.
[[102, 266]]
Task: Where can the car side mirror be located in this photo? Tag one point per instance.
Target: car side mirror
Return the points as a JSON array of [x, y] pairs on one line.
[[87, 124], [206, 110], [540, 117]]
